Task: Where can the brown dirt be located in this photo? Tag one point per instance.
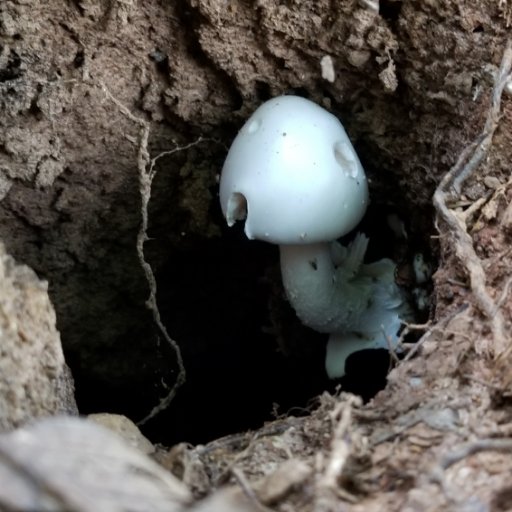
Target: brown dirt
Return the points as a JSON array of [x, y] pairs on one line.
[[413, 82]]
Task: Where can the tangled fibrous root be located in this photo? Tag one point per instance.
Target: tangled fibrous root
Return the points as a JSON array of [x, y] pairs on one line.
[[449, 190]]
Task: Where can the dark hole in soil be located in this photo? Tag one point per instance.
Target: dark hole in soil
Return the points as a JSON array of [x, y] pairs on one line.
[[215, 299], [216, 305], [263, 91], [390, 10]]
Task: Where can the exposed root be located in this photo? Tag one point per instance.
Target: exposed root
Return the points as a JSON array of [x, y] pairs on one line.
[[468, 449], [429, 328], [462, 452], [147, 172], [408, 328], [503, 296], [449, 189]]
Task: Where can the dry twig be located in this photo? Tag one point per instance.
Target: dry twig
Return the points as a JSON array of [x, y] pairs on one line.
[[450, 187]]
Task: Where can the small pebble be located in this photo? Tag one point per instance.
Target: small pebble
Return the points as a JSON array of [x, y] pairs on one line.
[[492, 182], [327, 68]]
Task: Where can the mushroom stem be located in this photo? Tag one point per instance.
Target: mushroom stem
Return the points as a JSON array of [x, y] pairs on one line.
[[326, 297], [341, 345], [333, 291]]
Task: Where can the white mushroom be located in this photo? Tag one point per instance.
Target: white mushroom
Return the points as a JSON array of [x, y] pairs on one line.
[[294, 176]]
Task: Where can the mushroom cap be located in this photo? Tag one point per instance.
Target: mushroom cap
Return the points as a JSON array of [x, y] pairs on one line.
[[293, 173]]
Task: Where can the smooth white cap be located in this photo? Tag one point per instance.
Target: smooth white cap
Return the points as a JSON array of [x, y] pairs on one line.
[[293, 173]]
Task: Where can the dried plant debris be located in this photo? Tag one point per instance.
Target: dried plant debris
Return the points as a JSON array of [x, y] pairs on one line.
[[276, 465], [450, 187]]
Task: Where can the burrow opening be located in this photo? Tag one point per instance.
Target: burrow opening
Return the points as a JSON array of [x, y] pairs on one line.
[[247, 356]]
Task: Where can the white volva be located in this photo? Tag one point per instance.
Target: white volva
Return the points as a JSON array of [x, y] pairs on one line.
[[294, 176]]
